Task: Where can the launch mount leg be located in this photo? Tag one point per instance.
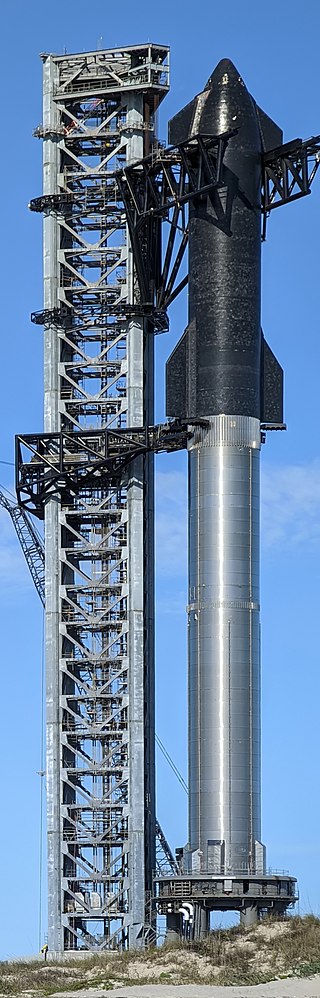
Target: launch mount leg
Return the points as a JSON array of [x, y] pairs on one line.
[[173, 933], [249, 914], [202, 923]]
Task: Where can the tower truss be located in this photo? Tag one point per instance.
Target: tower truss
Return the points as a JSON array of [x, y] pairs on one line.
[[99, 116]]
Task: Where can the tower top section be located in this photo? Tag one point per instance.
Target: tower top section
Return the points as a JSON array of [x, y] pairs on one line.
[[135, 67]]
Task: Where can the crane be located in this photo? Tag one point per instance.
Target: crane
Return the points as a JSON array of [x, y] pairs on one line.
[[30, 541], [33, 549]]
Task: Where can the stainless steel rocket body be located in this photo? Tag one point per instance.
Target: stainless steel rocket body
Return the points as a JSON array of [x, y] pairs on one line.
[[224, 645], [224, 501], [223, 376]]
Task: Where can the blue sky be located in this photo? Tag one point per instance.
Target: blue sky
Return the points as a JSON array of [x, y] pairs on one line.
[[277, 53]]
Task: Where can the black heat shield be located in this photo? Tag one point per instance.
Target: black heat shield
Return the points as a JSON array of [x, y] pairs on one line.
[[182, 382], [222, 364]]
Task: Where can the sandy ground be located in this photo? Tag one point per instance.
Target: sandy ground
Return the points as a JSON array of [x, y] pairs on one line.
[[308, 987]]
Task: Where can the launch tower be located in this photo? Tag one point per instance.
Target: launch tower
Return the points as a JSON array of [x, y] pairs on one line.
[[99, 114]]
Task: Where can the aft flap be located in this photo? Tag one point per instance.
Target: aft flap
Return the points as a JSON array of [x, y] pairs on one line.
[[176, 402], [181, 376], [271, 386]]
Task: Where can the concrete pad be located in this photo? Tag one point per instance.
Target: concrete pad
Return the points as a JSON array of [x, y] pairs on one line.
[[292, 987]]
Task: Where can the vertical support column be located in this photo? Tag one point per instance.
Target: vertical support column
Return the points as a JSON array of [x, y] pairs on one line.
[[149, 627], [249, 915], [141, 731], [204, 922], [51, 424], [173, 930]]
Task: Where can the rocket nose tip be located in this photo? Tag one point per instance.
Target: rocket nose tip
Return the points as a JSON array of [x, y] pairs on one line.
[[225, 72]]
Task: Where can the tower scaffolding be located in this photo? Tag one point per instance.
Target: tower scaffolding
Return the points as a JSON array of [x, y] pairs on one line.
[[99, 115]]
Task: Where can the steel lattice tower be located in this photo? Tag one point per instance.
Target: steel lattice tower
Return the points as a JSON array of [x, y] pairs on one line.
[[99, 115]]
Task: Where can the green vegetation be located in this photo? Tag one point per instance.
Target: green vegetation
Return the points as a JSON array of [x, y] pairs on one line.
[[272, 949]]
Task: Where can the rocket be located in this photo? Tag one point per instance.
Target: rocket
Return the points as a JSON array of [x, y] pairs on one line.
[[223, 374]]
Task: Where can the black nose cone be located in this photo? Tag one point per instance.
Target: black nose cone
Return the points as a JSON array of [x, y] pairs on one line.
[[224, 105], [225, 73], [228, 104]]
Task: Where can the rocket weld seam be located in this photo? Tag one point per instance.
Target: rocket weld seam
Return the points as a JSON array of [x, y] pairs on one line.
[[214, 442], [238, 604], [227, 431]]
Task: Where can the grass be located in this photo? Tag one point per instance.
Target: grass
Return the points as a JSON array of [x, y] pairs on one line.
[[273, 949]]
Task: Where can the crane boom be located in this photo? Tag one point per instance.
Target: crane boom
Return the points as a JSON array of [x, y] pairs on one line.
[[31, 543]]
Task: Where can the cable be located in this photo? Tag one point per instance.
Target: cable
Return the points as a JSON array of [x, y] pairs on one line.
[[171, 763], [12, 496]]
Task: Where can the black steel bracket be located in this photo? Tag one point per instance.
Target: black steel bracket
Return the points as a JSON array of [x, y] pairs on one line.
[[158, 189], [62, 317], [60, 465], [288, 173]]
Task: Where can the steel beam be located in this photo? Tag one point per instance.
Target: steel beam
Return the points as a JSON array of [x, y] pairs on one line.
[[52, 527], [140, 364]]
